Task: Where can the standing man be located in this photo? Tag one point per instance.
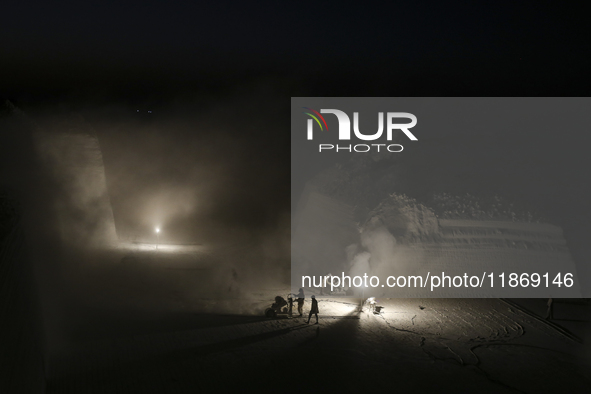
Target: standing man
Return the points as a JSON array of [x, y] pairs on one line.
[[301, 301], [313, 310], [290, 302]]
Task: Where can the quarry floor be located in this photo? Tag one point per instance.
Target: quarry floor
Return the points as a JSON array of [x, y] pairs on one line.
[[112, 341]]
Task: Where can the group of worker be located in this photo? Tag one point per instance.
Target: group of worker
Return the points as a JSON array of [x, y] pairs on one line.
[[300, 297]]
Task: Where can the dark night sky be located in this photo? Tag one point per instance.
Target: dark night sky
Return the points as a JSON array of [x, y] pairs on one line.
[[151, 48]]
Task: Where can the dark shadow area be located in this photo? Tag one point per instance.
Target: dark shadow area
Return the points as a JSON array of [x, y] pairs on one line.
[[234, 343], [212, 361]]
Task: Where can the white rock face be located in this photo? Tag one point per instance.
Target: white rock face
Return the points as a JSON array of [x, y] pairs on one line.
[[74, 159], [405, 219], [399, 238]]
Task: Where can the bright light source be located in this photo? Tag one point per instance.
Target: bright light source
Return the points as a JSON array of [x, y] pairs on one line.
[[157, 237]]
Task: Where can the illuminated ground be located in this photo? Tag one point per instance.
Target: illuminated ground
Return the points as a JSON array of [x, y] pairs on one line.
[[162, 248], [189, 341]]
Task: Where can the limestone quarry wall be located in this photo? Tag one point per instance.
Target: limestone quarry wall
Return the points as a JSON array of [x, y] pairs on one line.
[[519, 235], [83, 209], [412, 241]]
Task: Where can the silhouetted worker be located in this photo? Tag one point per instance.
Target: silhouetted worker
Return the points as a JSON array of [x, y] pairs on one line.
[[313, 310], [290, 301], [550, 313], [301, 301]]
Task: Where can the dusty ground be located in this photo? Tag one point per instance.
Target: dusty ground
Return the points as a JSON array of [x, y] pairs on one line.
[[190, 342]]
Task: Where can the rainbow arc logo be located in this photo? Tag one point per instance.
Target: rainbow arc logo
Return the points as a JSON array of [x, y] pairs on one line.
[[315, 118]]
